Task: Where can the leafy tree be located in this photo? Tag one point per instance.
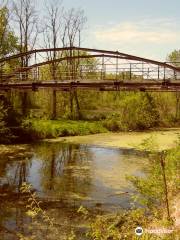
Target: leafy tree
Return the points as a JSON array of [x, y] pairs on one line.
[[8, 40], [8, 45], [139, 111], [174, 57], [4, 131]]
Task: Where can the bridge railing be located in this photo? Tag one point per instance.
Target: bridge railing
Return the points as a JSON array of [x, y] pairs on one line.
[[84, 74]]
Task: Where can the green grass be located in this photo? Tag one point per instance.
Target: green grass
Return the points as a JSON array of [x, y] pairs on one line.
[[40, 129]]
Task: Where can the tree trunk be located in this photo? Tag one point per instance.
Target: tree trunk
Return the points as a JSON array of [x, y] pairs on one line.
[[77, 105]]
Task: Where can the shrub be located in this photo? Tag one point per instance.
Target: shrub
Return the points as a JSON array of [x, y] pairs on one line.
[[5, 134]]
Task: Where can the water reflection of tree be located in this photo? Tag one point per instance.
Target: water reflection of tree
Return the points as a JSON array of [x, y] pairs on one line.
[[14, 173], [14, 169], [3, 164], [18, 173], [15, 215], [21, 173], [65, 169]]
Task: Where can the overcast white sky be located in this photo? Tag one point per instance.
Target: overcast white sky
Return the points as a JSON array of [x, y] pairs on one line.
[[145, 28]]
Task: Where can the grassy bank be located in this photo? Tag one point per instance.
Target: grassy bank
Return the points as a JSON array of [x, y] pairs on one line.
[[35, 129], [40, 129]]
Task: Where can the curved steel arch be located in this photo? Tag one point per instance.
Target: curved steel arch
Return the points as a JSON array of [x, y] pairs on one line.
[[105, 52]]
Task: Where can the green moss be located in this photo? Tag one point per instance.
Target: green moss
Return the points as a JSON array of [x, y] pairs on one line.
[[40, 129]]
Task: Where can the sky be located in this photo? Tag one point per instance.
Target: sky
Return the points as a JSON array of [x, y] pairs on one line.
[[144, 28]]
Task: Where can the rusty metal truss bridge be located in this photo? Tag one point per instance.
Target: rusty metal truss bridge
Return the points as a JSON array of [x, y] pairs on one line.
[[70, 68]]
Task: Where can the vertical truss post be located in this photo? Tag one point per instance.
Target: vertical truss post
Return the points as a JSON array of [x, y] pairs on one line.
[[116, 68], [102, 68], [19, 74], [71, 77], [72, 63], [104, 72], [80, 71], [142, 70], [67, 66], [164, 73], [74, 67], [78, 66], [158, 72], [35, 73], [130, 71], [148, 74], [123, 75]]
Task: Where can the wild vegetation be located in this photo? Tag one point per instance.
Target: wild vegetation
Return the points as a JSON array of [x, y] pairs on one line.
[[156, 194], [20, 31], [106, 111]]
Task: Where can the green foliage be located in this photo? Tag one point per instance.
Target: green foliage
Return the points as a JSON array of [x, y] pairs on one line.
[[9, 118], [41, 225], [152, 188], [104, 228], [174, 56], [119, 110], [126, 75], [121, 225], [113, 124], [33, 206], [4, 130], [149, 145], [8, 41], [83, 210], [102, 112], [39, 129], [138, 112]]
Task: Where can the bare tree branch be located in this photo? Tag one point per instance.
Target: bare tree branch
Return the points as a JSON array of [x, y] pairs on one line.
[[26, 19]]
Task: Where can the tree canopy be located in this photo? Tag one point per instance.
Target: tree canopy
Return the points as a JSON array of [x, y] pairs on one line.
[[8, 40], [174, 57]]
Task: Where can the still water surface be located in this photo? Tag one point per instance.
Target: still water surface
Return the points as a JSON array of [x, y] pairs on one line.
[[67, 176]]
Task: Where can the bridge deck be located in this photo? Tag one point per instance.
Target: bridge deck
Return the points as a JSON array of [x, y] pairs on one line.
[[150, 85]]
